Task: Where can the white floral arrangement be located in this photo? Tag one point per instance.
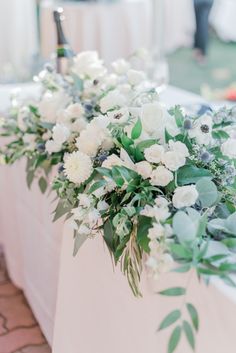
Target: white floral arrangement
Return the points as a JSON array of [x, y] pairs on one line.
[[158, 186]]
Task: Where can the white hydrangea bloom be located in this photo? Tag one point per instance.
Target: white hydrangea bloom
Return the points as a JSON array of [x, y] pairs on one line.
[[228, 148]]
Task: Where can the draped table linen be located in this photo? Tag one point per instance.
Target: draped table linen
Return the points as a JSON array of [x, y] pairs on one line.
[[88, 305]]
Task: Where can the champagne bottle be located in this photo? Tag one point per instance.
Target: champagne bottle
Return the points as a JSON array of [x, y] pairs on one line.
[[64, 53]]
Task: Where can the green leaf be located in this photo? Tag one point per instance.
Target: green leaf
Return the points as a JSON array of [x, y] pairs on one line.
[[173, 292], [208, 193], [144, 224], [97, 185], [137, 130], [186, 233], [145, 144], [194, 315], [189, 333], [180, 251], [230, 242], [231, 224], [182, 269], [174, 339], [189, 174], [177, 113], [62, 208], [117, 177], [104, 172], [43, 184], [108, 234], [78, 242], [170, 319], [29, 178]]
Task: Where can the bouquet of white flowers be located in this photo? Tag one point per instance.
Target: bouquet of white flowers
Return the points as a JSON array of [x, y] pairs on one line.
[[157, 185]]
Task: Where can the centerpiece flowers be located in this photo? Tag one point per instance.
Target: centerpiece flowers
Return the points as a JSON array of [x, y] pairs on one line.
[[157, 185]]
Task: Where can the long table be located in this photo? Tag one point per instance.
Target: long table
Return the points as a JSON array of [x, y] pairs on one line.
[[87, 305]]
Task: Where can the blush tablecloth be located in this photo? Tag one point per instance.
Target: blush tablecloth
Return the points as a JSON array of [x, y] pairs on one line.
[[88, 306]]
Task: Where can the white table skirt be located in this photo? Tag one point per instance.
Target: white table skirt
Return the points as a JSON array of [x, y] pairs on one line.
[[95, 310]]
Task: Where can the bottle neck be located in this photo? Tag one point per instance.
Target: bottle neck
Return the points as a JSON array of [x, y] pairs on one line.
[[61, 39]]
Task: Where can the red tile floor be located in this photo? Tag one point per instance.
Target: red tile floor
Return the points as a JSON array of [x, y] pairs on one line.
[[19, 332]]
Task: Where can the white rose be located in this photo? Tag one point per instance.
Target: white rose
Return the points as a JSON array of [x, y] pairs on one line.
[[228, 148], [52, 147], [161, 202], [112, 161], [154, 153], [75, 110], [135, 77], [179, 147], [161, 176], [60, 134], [121, 66], [51, 104], [88, 64], [185, 196], [144, 169], [113, 99], [155, 120], [173, 160]]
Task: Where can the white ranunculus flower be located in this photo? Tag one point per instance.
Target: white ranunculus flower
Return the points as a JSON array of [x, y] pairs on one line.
[[161, 176], [173, 160], [185, 196], [88, 64], [60, 133], [78, 167], [121, 66], [52, 147], [154, 153], [135, 77], [155, 120], [113, 99], [179, 147], [202, 130], [50, 104], [144, 169], [228, 148]]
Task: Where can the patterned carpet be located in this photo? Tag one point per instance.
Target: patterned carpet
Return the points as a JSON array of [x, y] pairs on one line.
[[19, 332]]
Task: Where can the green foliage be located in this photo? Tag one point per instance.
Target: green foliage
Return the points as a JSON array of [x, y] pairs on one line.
[[144, 224], [79, 239], [189, 333], [174, 339], [193, 315], [173, 292], [43, 184], [190, 174], [208, 193], [137, 130], [170, 319]]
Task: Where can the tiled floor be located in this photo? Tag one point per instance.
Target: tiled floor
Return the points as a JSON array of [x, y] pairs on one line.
[[19, 332]]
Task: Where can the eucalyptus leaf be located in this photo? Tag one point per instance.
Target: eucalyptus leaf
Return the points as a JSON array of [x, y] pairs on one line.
[[184, 227], [208, 193], [190, 174], [231, 224]]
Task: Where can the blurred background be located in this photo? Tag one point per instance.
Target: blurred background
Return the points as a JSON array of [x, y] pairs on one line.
[[116, 28]]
